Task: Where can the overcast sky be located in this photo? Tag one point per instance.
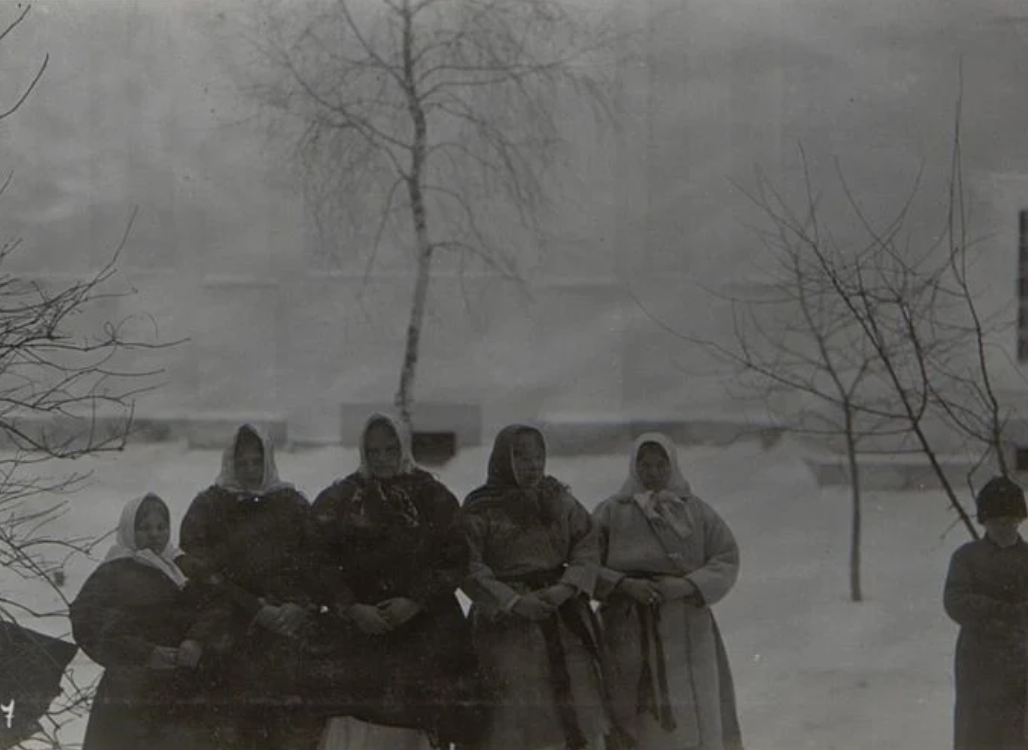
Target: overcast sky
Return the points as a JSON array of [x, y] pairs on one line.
[[137, 107]]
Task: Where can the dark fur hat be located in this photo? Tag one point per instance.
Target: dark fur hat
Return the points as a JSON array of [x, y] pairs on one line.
[[1000, 497]]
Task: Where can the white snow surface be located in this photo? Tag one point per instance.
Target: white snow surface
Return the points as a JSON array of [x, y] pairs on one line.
[[812, 669]]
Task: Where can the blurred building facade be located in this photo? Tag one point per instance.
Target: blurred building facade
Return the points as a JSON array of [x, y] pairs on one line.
[[281, 323]]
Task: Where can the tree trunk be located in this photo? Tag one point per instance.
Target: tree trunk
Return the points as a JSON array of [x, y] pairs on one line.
[[419, 217], [405, 393], [856, 594]]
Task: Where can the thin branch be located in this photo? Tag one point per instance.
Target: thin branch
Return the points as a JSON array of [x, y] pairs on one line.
[[25, 94]]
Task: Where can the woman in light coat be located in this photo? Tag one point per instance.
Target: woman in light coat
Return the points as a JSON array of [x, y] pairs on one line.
[[667, 558]]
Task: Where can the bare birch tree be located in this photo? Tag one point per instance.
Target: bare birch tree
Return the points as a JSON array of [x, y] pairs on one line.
[[438, 118]]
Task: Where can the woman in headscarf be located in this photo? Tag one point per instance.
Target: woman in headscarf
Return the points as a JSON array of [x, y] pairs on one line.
[[139, 618], [391, 554], [534, 562], [668, 558], [249, 533]]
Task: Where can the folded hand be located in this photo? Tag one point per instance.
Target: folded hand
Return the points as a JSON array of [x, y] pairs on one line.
[[368, 619], [533, 607], [285, 619], [163, 658], [641, 590], [188, 654], [398, 610], [673, 587], [558, 594]]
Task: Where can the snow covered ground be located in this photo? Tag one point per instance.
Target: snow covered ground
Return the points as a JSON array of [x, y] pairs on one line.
[[812, 669]]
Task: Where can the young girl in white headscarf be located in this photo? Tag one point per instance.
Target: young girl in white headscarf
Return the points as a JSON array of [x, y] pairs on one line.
[[138, 617], [668, 557]]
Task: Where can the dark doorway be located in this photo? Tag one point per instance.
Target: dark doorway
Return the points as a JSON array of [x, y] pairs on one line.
[[434, 448]]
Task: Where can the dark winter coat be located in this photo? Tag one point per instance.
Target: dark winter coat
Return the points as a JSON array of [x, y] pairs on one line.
[[125, 610], [986, 593], [380, 539], [259, 546], [31, 667]]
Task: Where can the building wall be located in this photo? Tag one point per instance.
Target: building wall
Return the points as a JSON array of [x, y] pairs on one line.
[[652, 224]]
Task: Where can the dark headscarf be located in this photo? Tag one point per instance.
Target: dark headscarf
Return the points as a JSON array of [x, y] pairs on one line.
[[501, 487]]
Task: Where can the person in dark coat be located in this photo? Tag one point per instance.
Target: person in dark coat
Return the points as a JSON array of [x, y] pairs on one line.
[[139, 618], [986, 594], [391, 553], [248, 534], [32, 665]]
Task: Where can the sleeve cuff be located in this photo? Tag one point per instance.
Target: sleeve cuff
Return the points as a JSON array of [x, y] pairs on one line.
[[712, 587], [581, 577], [697, 595]]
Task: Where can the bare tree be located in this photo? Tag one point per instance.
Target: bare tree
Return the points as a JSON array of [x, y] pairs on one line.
[[438, 119], [920, 312], [915, 313], [796, 349], [67, 391], [798, 339], [968, 397], [881, 338], [65, 394]]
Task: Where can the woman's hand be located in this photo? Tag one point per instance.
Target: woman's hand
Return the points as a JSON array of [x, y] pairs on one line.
[[533, 607], [557, 595], [267, 616], [398, 610], [163, 658], [292, 618], [368, 619], [641, 590], [188, 654], [286, 619]]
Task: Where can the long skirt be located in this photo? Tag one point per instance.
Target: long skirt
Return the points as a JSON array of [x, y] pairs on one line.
[[135, 707], [514, 659], [681, 693], [348, 733]]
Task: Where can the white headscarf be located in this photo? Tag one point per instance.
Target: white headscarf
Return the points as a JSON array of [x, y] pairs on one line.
[[269, 481], [407, 464], [669, 504], [124, 546]]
